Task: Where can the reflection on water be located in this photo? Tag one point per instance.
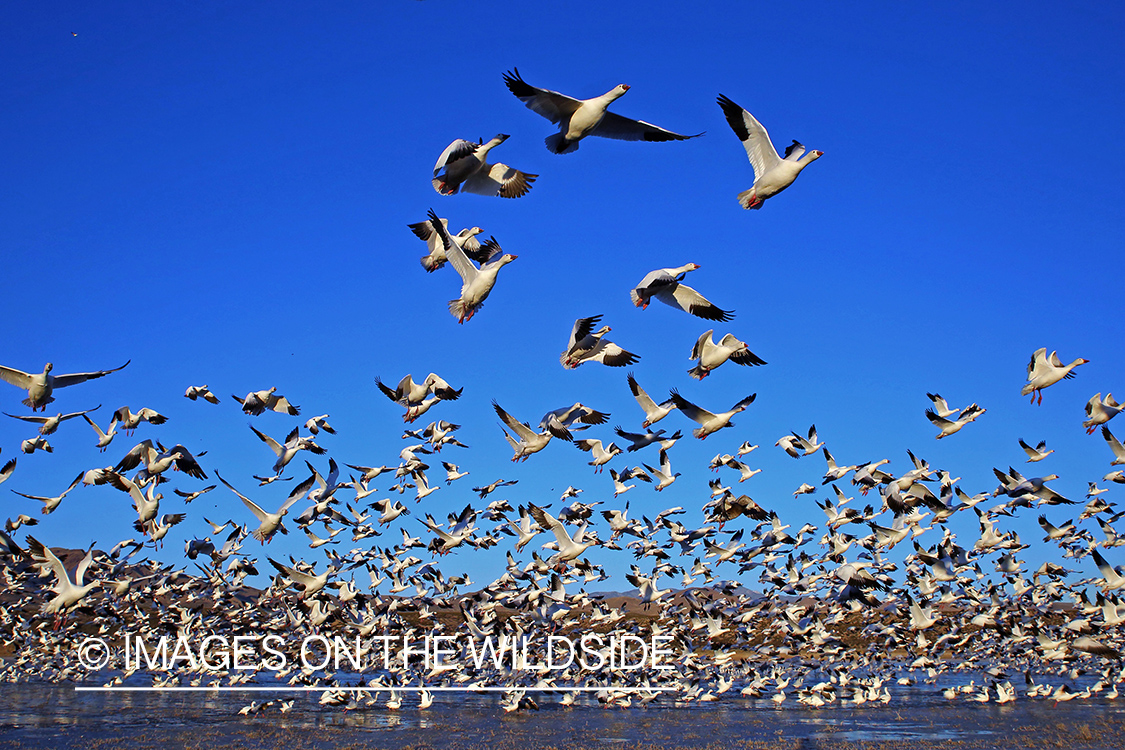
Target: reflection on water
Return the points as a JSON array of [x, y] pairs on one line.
[[38, 715]]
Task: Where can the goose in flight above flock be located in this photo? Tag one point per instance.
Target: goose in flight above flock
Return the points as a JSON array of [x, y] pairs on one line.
[[48, 425], [1044, 370], [772, 173], [665, 284], [39, 387], [588, 345], [466, 239], [462, 166], [578, 118], [711, 355], [476, 283]]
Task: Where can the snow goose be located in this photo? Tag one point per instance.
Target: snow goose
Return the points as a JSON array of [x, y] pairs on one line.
[[772, 173], [663, 476], [48, 425], [711, 355], [39, 387], [287, 450], [67, 594], [1038, 453], [104, 438], [39, 443], [259, 401], [665, 285], [654, 412], [270, 523], [646, 439], [949, 426], [1100, 411], [462, 166], [560, 420], [1045, 370], [588, 345], [412, 395], [130, 421], [578, 118], [476, 283], [195, 392], [708, 422], [465, 239], [569, 549], [50, 503], [602, 455], [528, 441]]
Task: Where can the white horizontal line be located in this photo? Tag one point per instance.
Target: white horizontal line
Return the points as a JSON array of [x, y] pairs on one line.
[[373, 689]]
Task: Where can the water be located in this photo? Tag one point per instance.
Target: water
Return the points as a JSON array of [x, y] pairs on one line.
[[50, 716]]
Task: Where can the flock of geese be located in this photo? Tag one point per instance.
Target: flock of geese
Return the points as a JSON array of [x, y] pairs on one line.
[[870, 598]]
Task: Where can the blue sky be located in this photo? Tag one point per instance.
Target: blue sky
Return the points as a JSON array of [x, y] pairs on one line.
[[221, 194]]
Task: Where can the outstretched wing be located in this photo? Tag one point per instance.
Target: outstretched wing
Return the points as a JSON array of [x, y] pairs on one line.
[[763, 156]]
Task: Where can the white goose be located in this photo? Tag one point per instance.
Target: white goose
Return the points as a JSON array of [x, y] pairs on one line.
[[772, 174], [578, 118], [436, 258], [711, 355], [528, 441], [68, 594], [104, 438], [1100, 411], [568, 548], [40, 386], [588, 345], [463, 166], [48, 425], [708, 422], [665, 285], [476, 283], [271, 523], [1045, 370], [654, 412]]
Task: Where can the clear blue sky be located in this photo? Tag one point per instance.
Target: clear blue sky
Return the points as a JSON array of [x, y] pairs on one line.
[[220, 192]]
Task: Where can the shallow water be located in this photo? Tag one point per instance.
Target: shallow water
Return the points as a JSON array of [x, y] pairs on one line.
[[50, 716]]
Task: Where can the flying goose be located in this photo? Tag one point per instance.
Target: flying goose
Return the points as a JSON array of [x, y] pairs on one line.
[[48, 425], [1045, 370], [476, 283], [653, 412], [68, 594], [665, 285], [772, 173], [711, 355], [271, 523], [39, 387], [709, 422], [949, 426], [578, 118], [1100, 411], [462, 166], [257, 402], [527, 441], [465, 239], [587, 345], [1038, 453], [195, 392]]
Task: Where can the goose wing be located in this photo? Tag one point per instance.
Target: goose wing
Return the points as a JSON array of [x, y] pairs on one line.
[[763, 156], [18, 378], [41, 554], [554, 106], [625, 129], [257, 511], [273, 444], [525, 433], [690, 410], [501, 180], [61, 381], [691, 301]]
